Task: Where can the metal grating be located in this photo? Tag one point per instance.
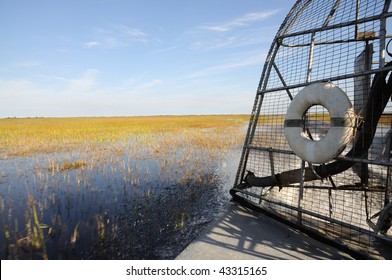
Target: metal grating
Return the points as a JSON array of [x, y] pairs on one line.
[[345, 200]]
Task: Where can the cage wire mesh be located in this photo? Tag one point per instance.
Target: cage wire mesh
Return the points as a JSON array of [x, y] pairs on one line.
[[346, 199]]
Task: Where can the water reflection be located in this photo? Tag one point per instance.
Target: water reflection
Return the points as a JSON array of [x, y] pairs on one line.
[[127, 200]]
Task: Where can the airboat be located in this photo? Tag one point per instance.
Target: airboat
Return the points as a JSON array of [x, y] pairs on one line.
[[317, 152]]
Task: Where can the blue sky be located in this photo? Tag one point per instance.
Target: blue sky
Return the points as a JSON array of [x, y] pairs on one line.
[[133, 57]]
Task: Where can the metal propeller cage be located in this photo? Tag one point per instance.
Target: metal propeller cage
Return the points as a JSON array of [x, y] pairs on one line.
[[347, 200]]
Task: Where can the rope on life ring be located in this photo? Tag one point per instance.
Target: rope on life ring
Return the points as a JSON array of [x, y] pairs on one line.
[[341, 128]]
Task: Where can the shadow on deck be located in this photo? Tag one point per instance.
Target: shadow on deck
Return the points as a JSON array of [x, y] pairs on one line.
[[241, 233]]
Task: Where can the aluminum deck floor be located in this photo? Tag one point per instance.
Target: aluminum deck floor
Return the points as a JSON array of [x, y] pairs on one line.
[[239, 233]]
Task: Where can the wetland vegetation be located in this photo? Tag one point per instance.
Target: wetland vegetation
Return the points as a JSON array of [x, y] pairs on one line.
[[113, 188]]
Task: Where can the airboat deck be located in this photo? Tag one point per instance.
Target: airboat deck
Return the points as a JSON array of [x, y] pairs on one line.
[[241, 233]]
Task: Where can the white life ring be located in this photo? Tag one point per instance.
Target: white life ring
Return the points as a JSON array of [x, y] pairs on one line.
[[341, 129]]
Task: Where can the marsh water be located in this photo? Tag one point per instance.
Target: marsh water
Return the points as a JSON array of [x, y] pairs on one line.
[[117, 201]]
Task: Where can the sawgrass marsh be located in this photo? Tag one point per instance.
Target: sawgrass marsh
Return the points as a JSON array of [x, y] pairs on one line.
[[113, 187]]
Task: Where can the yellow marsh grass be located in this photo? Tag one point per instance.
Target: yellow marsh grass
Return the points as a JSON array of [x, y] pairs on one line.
[[27, 136], [83, 155]]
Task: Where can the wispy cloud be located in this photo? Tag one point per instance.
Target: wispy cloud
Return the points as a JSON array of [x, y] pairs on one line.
[[168, 49], [243, 20], [91, 44], [234, 39], [85, 82], [24, 98], [28, 63], [130, 31], [253, 59], [242, 31], [150, 84], [116, 36]]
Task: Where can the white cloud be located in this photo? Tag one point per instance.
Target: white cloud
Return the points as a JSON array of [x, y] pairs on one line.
[[28, 63], [117, 36], [68, 97], [23, 98], [9, 87], [240, 21], [168, 49], [239, 32], [249, 37], [150, 84], [130, 31], [86, 82], [91, 44], [252, 59]]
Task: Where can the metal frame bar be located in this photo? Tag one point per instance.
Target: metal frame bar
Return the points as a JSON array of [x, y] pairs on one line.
[[297, 14], [337, 26], [383, 31], [356, 16], [332, 42], [282, 80], [352, 159], [313, 214], [310, 59], [249, 193], [336, 78], [332, 12], [355, 188]]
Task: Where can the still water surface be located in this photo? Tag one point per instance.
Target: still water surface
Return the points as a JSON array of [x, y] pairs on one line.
[[125, 202]]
